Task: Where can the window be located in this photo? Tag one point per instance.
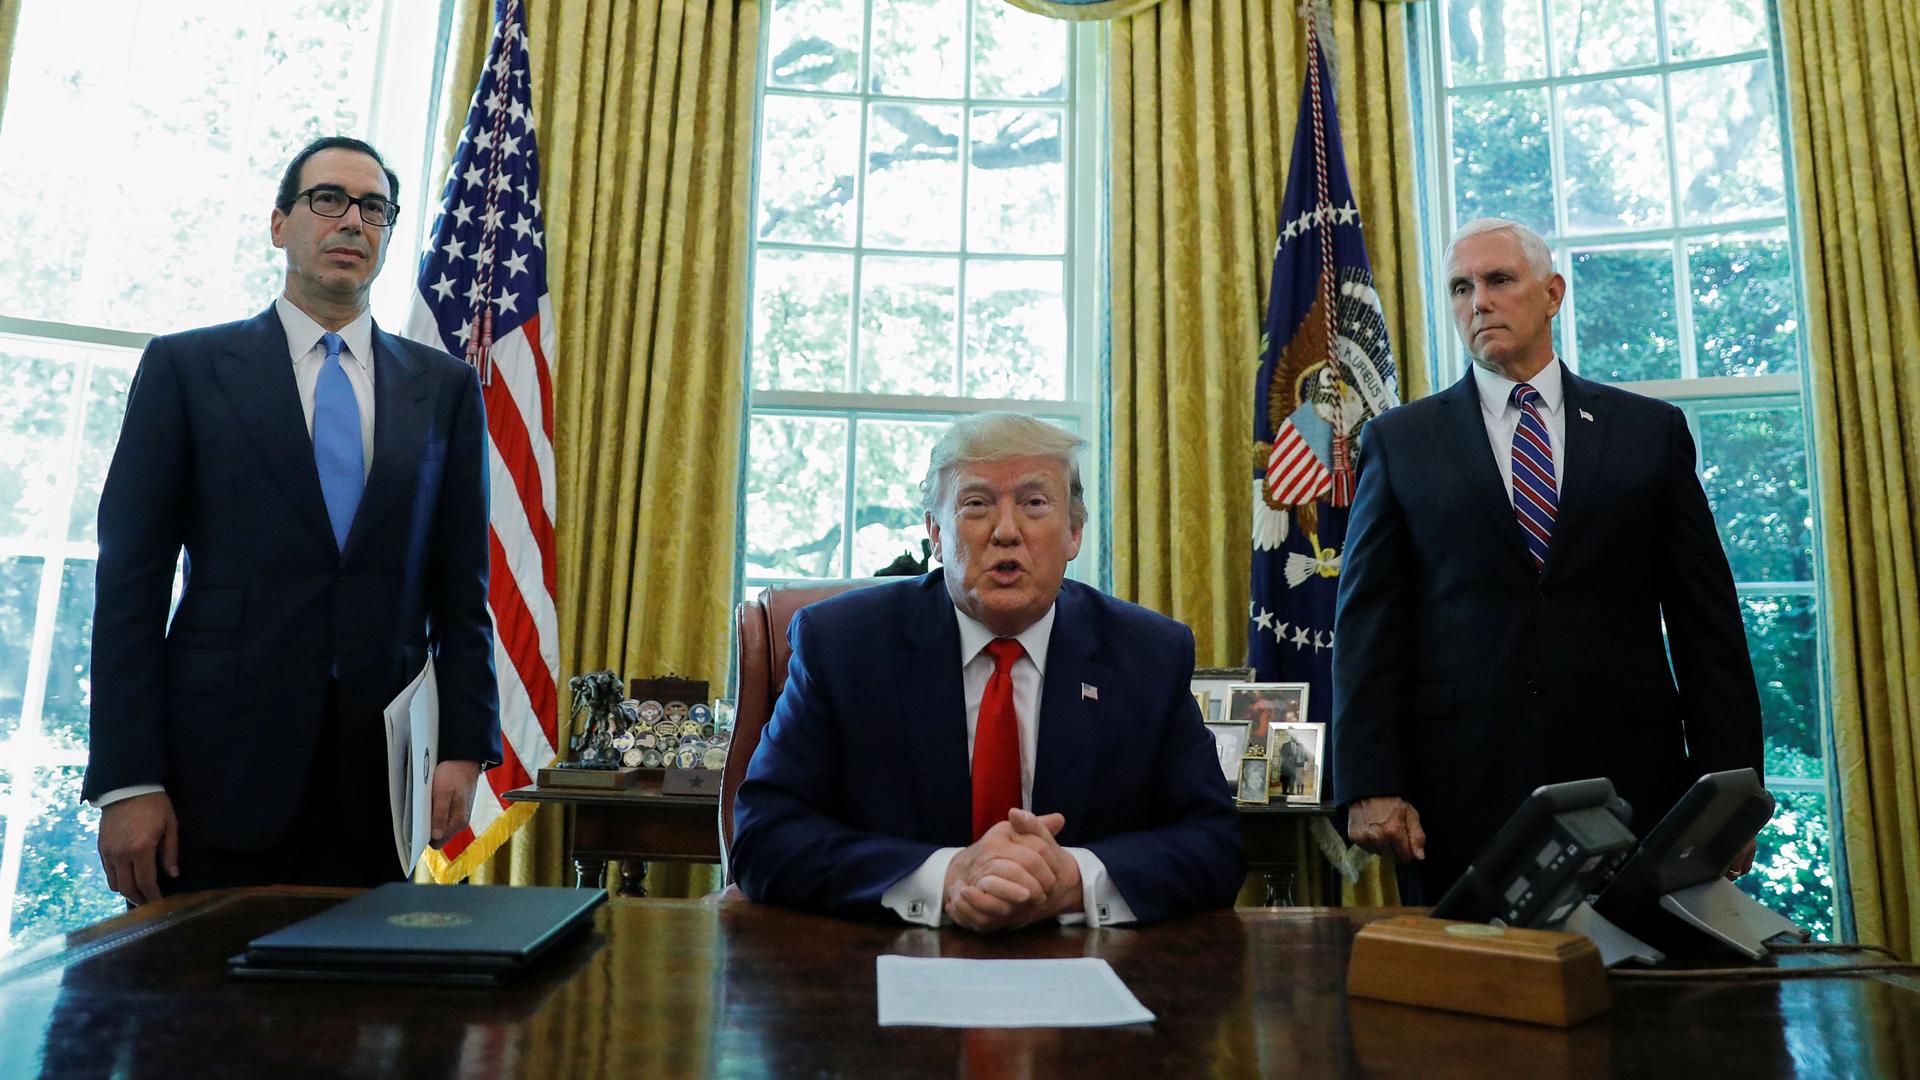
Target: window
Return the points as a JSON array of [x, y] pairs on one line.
[[155, 220], [1643, 138], [924, 245]]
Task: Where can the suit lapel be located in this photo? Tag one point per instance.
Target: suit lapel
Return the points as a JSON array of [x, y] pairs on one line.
[[400, 421], [1467, 437], [934, 706], [1585, 443], [255, 375], [1071, 724]]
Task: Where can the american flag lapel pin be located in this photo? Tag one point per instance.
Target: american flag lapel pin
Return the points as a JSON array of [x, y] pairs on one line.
[[1089, 692], [1587, 416]]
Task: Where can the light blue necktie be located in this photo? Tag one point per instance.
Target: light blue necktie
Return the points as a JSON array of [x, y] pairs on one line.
[[337, 452]]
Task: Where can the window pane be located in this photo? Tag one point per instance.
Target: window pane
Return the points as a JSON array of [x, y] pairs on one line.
[[1697, 28], [1782, 636], [1017, 183], [106, 404], [913, 177], [809, 150], [1745, 314], [61, 883], [19, 598], [1016, 330], [1755, 475], [918, 48], [1017, 54], [1616, 155], [1502, 164], [1495, 40], [909, 325], [63, 715], [212, 97], [1727, 133], [36, 401], [796, 496], [1601, 35], [815, 44], [1793, 873], [1623, 305], [802, 320], [890, 458]]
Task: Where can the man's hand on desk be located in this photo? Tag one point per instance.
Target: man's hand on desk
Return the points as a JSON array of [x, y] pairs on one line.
[[135, 834], [1014, 875], [1387, 825]]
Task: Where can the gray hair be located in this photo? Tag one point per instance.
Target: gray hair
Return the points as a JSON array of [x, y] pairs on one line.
[[1539, 257], [996, 436]]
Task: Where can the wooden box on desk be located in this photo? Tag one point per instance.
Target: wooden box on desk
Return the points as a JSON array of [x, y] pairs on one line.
[[1537, 976]]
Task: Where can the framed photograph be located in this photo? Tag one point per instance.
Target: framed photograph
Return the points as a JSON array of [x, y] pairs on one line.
[[1230, 742], [1262, 705], [1201, 698], [1296, 755], [1253, 780], [1213, 682]]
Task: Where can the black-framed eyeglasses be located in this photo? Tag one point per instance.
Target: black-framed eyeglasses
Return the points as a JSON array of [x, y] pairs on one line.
[[330, 202]]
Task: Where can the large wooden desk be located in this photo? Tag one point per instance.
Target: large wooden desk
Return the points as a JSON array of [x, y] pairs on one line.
[[685, 988], [639, 825]]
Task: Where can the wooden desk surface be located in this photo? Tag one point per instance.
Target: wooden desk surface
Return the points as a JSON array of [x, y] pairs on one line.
[[685, 988]]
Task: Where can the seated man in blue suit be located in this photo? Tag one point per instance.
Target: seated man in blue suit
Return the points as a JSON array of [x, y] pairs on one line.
[[1534, 591], [327, 482], [989, 745]]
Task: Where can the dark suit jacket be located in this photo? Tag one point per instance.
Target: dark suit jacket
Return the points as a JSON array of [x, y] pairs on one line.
[[223, 706], [1464, 678], [863, 771]]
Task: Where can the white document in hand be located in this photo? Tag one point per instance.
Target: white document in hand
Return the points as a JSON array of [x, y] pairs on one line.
[[413, 749]]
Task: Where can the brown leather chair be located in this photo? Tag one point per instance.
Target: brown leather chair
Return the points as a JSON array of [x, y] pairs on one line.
[[763, 655]]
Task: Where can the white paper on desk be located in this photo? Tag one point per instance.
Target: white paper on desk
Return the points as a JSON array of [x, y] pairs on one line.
[[933, 992], [413, 749]]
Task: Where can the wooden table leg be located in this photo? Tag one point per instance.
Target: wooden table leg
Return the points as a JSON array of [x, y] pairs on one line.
[[633, 877], [1279, 887], [589, 873]]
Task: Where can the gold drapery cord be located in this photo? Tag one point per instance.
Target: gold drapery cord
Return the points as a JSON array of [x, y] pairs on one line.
[[1853, 78], [645, 132], [1204, 98], [9, 26]]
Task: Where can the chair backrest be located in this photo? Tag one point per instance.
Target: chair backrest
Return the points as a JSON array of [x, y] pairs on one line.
[[763, 654]]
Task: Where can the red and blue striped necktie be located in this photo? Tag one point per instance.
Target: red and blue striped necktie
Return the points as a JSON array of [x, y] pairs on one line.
[[1536, 497]]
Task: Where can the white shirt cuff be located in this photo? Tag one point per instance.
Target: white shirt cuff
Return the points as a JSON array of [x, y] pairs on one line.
[[127, 792], [916, 897], [1104, 904]]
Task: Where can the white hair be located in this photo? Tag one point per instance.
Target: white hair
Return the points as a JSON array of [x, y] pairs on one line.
[[1539, 257], [997, 436]]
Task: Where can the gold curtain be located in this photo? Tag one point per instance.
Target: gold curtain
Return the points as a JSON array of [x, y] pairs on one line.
[[645, 124], [1853, 78], [9, 25], [1204, 98]]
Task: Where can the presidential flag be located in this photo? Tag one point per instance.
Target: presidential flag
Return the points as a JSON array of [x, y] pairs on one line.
[[1325, 368], [483, 296]]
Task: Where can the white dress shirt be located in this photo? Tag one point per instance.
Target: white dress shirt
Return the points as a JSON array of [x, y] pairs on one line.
[[356, 359], [918, 897], [1502, 417], [307, 352]]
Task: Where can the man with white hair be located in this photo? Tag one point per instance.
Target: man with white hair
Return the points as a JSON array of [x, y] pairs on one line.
[[990, 744], [1533, 591]]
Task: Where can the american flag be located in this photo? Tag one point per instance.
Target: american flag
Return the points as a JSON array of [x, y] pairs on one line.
[[483, 295], [1325, 368]]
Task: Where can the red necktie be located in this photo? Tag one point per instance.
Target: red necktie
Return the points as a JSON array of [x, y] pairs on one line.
[[996, 742]]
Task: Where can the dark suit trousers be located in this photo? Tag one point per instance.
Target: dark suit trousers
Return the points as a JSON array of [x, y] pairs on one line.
[[342, 833]]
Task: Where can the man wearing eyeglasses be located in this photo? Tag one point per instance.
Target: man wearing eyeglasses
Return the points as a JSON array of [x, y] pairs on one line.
[[327, 484]]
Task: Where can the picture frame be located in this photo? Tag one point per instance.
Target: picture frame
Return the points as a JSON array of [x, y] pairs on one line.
[[1230, 743], [1297, 754], [1252, 781], [1264, 704], [1213, 682]]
